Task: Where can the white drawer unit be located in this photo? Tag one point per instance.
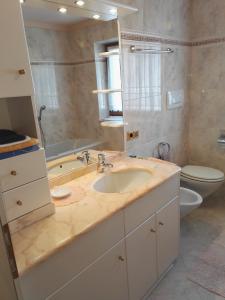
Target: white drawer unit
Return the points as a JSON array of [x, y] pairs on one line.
[[22, 169], [24, 199]]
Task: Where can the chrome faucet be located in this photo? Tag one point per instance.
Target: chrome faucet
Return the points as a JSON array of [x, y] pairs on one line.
[[101, 165], [84, 157]]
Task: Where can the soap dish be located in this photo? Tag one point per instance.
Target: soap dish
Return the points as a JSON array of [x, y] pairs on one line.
[[60, 192]]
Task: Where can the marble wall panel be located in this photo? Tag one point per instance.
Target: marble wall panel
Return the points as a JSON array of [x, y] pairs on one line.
[[207, 89], [48, 45], [207, 19], [161, 18]]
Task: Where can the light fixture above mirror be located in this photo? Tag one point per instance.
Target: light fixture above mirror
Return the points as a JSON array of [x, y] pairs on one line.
[[62, 10], [80, 3], [86, 9]]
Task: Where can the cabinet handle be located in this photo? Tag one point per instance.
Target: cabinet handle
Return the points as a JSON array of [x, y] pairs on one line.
[[19, 203], [121, 258], [153, 230], [161, 223], [13, 173], [21, 72]]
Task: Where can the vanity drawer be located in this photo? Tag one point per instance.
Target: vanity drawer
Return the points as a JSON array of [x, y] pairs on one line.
[[26, 198], [143, 208], [21, 169]]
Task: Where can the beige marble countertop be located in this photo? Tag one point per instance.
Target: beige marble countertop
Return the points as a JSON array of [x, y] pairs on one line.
[[38, 241]]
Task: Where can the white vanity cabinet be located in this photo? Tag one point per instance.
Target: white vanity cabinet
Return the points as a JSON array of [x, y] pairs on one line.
[[15, 73], [168, 220], [104, 279], [142, 258], [151, 249], [120, 259]]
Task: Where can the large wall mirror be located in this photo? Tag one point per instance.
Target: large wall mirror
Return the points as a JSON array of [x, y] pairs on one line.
[[75, 62]]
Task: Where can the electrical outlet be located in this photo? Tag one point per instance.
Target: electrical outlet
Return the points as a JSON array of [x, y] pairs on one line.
[[132, 135], [136, 134]]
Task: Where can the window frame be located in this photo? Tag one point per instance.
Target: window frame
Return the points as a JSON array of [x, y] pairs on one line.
[[111, 112]]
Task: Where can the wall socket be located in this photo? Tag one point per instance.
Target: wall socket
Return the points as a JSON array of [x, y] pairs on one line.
[[132, 135]]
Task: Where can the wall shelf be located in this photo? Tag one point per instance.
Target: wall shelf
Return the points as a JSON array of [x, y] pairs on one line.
[[106, 91], [108, 54]]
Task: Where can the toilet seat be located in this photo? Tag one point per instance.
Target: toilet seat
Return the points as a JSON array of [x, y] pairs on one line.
[[203, 174]]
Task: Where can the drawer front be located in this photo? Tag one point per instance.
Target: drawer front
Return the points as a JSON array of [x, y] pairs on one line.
[[143, 208], [26, 198], [22, 169], [75, 257]]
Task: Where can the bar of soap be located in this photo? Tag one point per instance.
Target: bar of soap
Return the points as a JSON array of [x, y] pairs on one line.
[[61, 192]]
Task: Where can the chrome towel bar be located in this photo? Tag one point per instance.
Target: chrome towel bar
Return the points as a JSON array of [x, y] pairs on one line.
[[133, 49]]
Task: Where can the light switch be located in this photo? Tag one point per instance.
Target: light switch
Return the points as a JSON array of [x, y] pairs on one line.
[[175, 99]]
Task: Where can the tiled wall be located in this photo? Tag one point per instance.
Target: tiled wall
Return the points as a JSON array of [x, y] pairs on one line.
[[148, 78], [196, 32], [65, 86], [207, 115]]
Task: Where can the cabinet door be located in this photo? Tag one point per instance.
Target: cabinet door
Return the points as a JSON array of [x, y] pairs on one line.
[[15, 74], [142, 259], [104, 279], [168, 223]]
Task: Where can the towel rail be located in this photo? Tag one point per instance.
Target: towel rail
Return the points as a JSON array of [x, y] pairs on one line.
[[134, 49]]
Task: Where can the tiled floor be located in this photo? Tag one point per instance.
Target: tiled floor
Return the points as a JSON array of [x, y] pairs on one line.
[[198, 230]]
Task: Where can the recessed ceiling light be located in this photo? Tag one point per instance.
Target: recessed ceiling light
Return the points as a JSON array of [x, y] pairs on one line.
[[62, 10], [113, 11], [22, 1], [80, 3], [96, 17]]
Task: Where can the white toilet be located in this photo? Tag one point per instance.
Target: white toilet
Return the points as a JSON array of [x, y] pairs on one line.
[[203, 180], [189, 200]]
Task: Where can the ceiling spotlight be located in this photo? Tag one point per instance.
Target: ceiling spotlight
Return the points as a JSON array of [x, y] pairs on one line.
[[113, 11], [80, 3], [96, 17], [62, 10], [22, 1]]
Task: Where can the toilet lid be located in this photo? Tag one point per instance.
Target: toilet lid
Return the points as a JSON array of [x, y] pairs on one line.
[[202, 173]]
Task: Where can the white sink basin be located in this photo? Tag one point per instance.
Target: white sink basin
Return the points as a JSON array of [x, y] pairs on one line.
[[122, 181], [65, 167]]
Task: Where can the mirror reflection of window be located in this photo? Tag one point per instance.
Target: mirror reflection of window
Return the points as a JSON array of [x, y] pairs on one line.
[[114, 81], [45, 86], [108, 72]]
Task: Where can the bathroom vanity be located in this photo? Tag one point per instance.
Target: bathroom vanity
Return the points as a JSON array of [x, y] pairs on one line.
[[112, 246]]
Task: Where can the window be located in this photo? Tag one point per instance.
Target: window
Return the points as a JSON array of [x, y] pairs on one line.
[[114, 81], [45, 85]]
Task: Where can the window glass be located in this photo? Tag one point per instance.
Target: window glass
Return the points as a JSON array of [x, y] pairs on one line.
[[114, 81]]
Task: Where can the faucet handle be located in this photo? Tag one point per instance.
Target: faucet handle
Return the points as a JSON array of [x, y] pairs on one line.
[[85, 152], [101, 157]]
